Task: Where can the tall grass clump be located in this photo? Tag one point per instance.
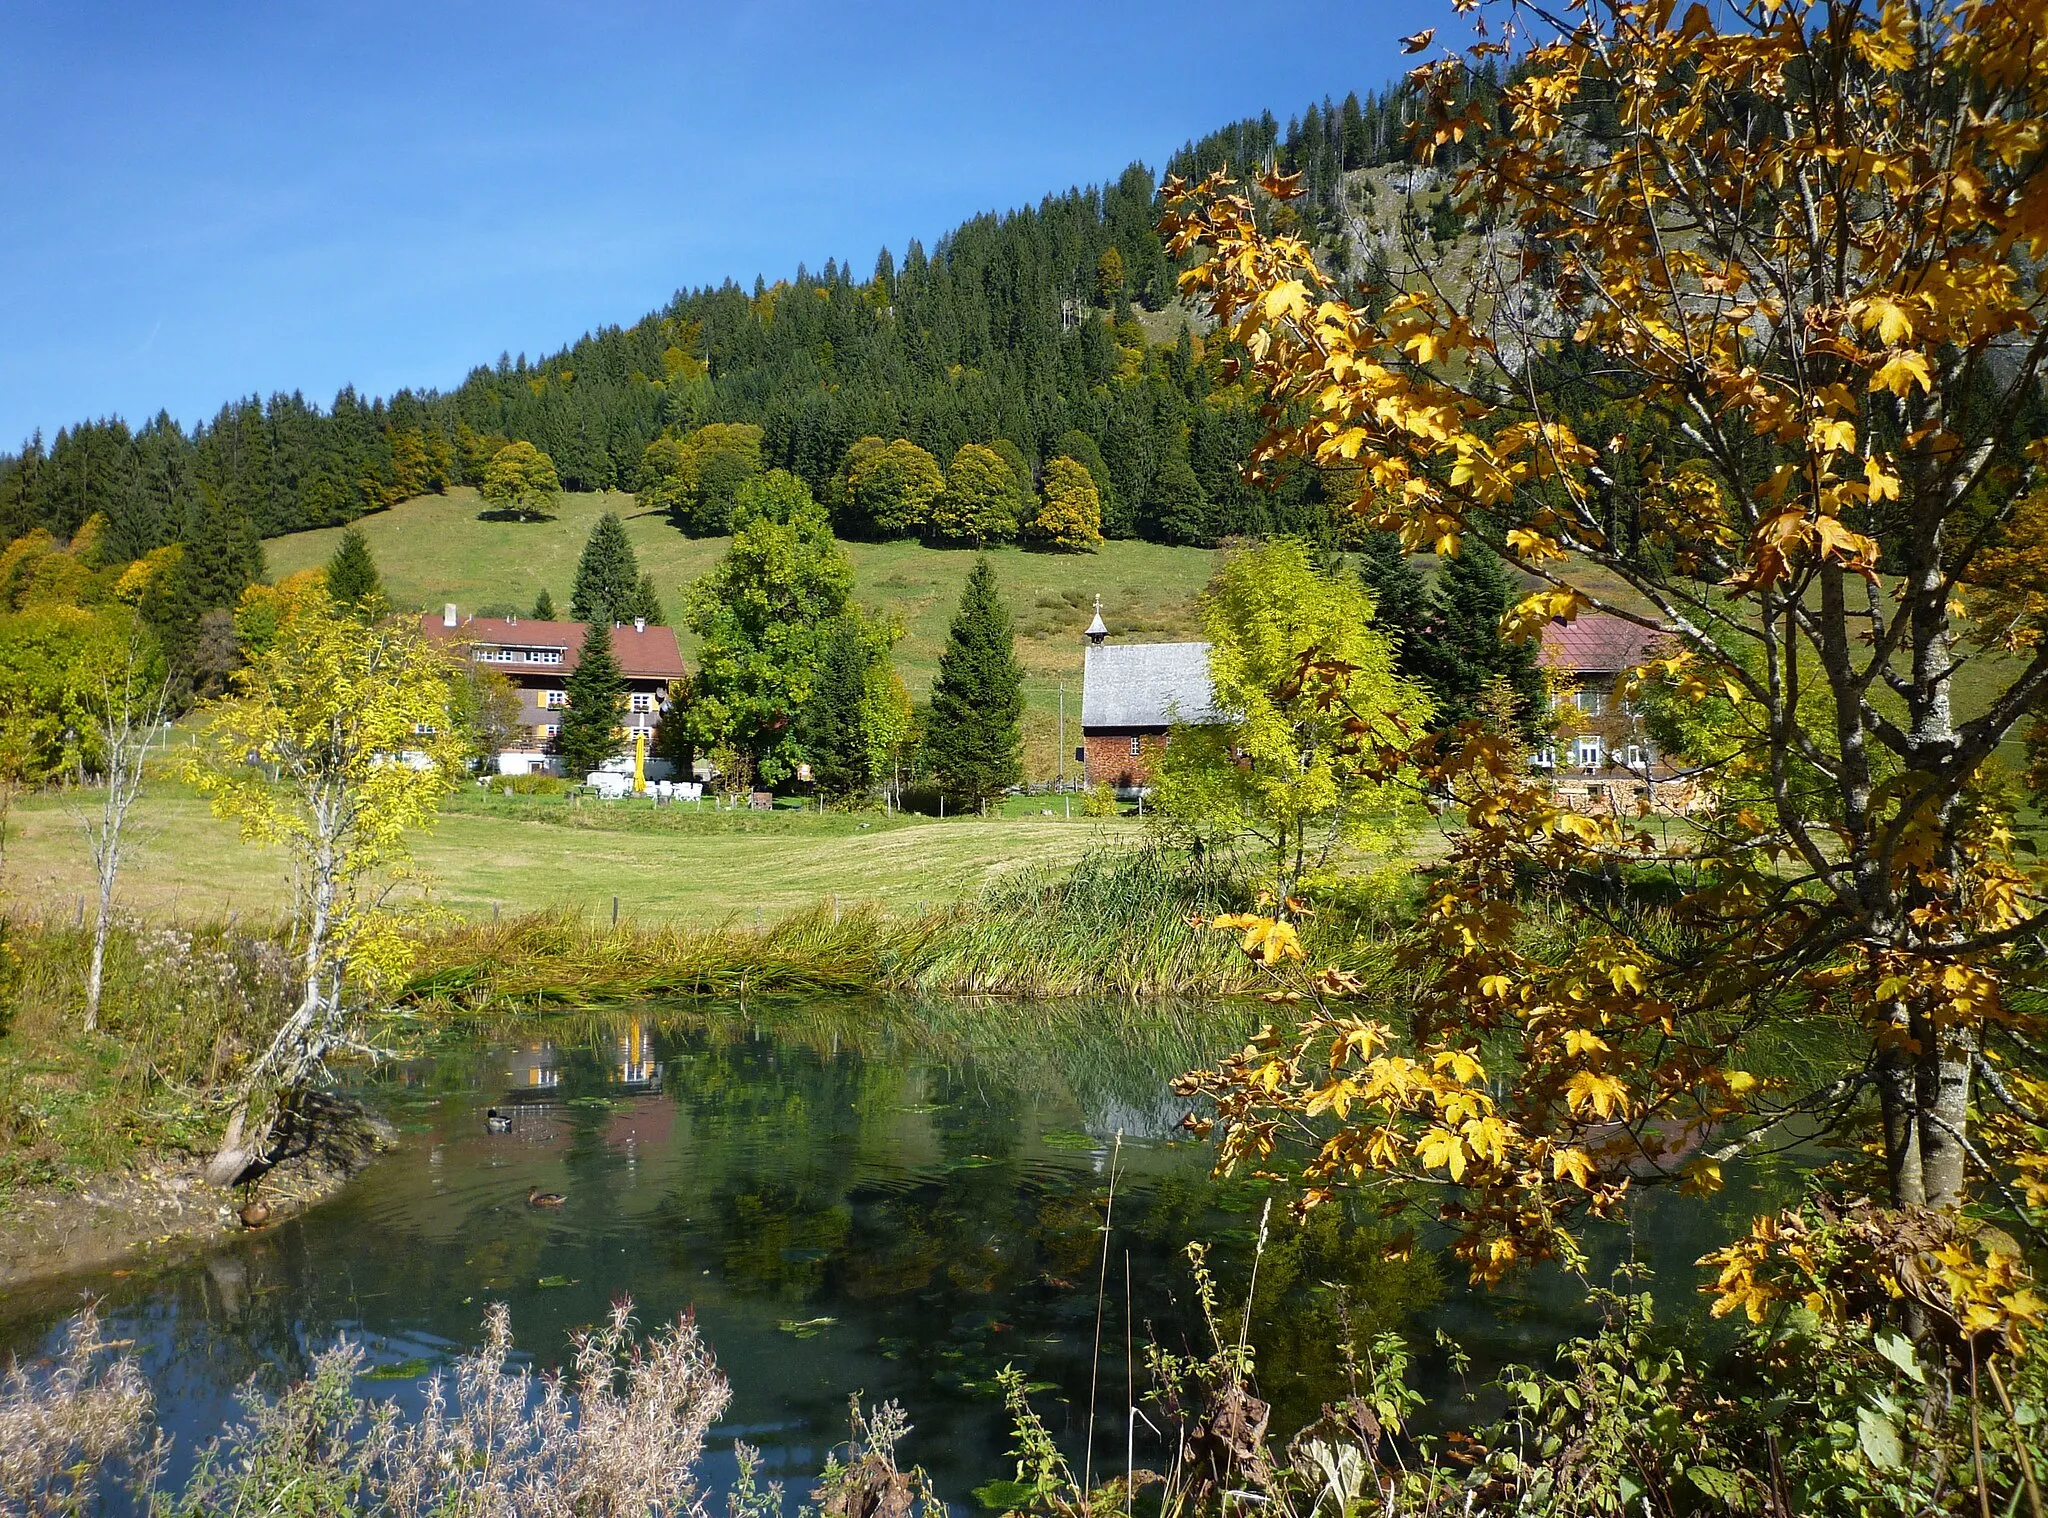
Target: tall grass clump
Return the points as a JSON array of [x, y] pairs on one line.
[[1121, 922], [182, 1008]]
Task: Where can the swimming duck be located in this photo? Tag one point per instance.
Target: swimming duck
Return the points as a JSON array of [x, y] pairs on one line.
[[255, 1213], [496, 1121], [535, 1197]]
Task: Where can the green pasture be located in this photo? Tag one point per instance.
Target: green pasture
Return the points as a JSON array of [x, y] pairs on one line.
[[436, 549], [523, 854]]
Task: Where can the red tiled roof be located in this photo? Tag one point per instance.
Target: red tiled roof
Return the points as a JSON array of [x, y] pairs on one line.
[[1596, 644], [643, 654]]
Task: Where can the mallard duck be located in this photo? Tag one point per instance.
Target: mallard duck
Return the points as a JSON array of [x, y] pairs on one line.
[[535, 1197], [255, 1213], [496, 1121]]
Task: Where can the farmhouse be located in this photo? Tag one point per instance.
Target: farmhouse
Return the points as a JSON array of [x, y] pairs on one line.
[[538, 657], [1132, 694], [1600, 730]]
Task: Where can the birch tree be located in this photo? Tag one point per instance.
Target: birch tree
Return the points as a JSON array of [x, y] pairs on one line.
[[337, 742], [133, 697]]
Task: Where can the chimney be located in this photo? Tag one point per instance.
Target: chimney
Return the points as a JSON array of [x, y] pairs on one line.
[[448, 615], [1098, 629], [639, 624]]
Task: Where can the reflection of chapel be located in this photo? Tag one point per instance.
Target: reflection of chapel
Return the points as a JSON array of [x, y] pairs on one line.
[[1131, 696]]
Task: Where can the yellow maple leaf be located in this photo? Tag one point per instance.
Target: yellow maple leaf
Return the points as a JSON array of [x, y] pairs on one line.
[[1899, 372], [1441, 1149]]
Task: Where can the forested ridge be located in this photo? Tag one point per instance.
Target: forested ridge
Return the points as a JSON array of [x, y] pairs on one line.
[[1030, 326]]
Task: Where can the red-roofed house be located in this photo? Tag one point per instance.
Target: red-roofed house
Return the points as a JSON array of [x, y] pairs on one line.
[[1600, 732], [538, 657]]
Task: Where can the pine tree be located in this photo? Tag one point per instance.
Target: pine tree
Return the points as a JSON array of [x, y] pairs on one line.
[[543, 606], [597, 705], [835, 718], [607, 587], [974, 734], [352, 580]]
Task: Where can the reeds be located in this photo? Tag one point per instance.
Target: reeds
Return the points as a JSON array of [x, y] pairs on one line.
[[1120, 923]]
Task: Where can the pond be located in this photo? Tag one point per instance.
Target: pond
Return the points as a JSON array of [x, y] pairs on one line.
[[890, 1199]]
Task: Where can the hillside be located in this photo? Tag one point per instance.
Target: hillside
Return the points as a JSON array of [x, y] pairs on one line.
[[1039, 326], [435, 549]]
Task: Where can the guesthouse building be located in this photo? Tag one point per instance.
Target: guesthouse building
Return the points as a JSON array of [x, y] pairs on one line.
[[538, 658]]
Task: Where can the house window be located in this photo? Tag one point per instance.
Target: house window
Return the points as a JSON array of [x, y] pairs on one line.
[[1592, 700], [1546, 757], [1635, 756], [543, 656], [496, 655], [1589, 753], [1137, 747], [424, 729], [555, 700], [642, 702], [550, 730]]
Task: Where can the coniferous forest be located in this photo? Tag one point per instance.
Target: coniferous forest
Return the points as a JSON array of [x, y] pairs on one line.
[[1051, 329]]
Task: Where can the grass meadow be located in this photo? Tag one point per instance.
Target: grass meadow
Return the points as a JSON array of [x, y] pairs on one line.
[[435, 549], [529, 854]]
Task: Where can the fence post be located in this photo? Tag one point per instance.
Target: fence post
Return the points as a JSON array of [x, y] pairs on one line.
[[615, 911]]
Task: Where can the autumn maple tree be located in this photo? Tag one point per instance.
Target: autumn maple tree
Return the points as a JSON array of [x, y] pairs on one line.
[[1750, 356]]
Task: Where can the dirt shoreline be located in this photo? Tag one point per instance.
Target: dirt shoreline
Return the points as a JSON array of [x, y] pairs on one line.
[[162, 1206]]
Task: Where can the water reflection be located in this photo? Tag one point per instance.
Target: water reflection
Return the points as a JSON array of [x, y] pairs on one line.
[[852, 1196]]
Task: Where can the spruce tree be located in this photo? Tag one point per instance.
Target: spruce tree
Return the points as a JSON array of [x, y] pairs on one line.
[[1468, 653], [607, 584], [352, 580], [835, 718], [1402, 604], [597, 705], [974, 732], [543, 606], [646, 603], [1179, 507]]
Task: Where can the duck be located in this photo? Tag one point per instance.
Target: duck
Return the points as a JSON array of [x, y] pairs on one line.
[[255, 1213], [496, 1121], [535, 1197]]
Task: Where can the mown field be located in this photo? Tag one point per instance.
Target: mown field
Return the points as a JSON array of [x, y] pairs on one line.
[[531, 853], [435, 549]]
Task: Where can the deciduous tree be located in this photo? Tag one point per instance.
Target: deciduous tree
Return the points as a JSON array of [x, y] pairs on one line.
[[982, 501], [761, 614], [1070, 517], [520, 479], [888, 487], [304, 755], [1307, 705], [1804, 247], [130, 704]]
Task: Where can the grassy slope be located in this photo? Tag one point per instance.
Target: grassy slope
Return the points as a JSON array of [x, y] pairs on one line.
[[666, 866], [434, 549]]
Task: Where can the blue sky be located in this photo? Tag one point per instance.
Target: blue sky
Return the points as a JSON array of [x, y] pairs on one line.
[[203, 201]]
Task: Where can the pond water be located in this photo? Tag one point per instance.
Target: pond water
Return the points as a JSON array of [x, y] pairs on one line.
[[852, 1196]]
